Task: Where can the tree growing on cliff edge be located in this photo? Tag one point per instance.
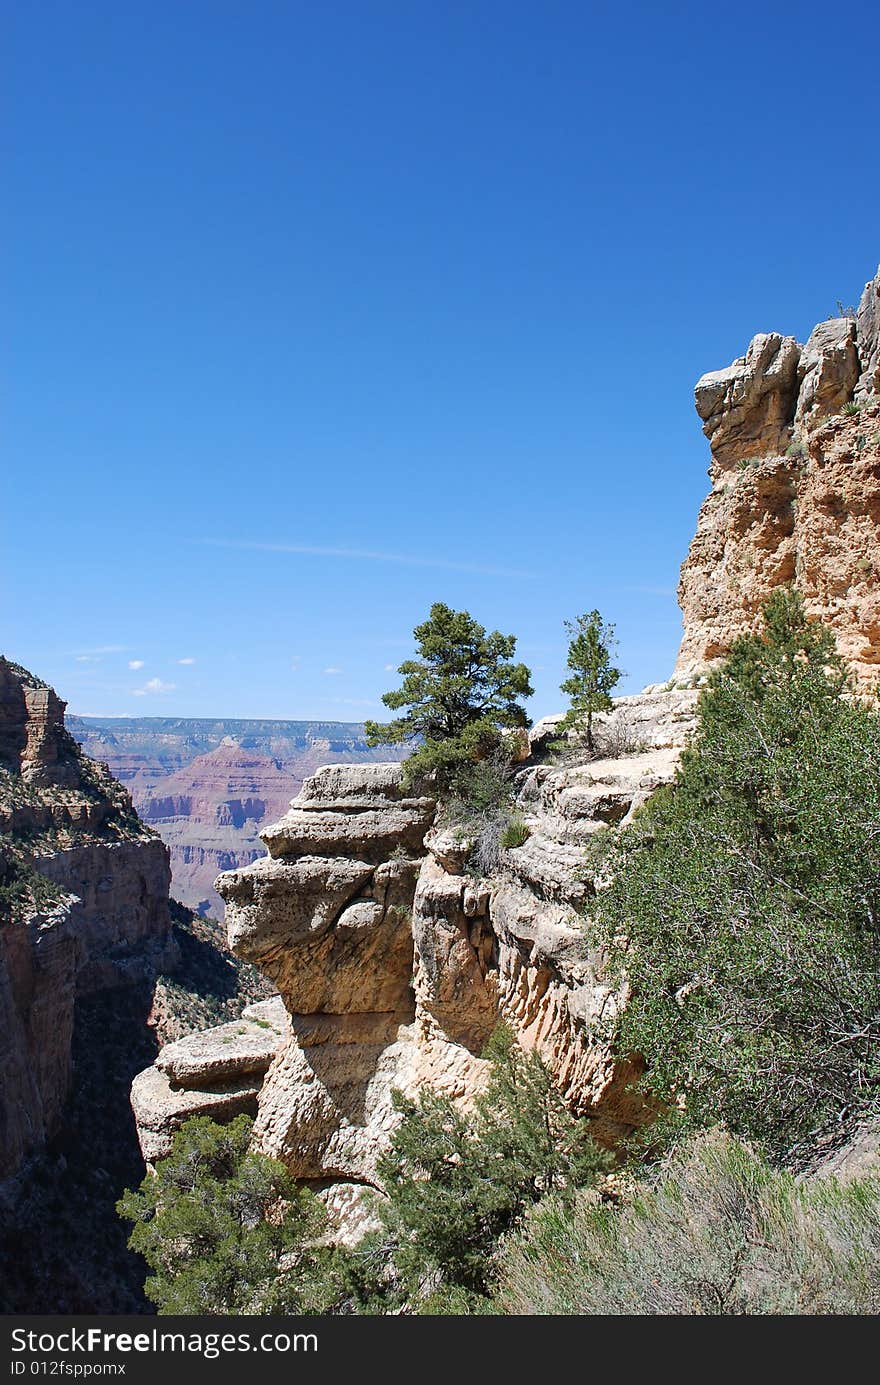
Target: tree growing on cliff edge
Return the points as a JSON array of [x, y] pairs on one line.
[[461, 694], [748, 896], [592, 673], [456, 1183], [225, 1230]]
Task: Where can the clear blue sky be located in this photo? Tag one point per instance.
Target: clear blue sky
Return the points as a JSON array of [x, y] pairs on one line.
[[321, 313]]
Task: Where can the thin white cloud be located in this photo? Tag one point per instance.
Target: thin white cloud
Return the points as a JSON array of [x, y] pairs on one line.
[[102, 649], [332, 670], [154, 687], [135, 664], [88, 658], [365, 555], [390, 668], [187, 660]]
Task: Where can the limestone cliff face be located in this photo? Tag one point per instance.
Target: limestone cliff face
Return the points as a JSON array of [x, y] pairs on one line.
[[795, 438], [395, 964], [83, 904]]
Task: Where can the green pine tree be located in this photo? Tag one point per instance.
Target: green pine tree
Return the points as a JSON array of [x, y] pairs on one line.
[[593, 675], [461, 694], [224, 1230], [748, 893], [458, 1183]]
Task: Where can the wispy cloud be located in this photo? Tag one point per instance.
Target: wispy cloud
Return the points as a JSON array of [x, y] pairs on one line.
[[187, 660], [390, 668], [154, 686], [135, 664], [332, 670], [84, 655], [366, 555]]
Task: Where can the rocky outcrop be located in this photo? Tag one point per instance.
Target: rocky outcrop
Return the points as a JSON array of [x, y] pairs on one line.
[[795, 439], [84, 904], [216, 1072], [748, 407], [395, 963]]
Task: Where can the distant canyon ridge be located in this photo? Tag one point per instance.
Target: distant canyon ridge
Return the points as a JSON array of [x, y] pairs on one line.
[[208, 787]]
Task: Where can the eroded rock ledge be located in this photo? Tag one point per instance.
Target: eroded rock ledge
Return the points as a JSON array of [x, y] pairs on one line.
[[394, 964]]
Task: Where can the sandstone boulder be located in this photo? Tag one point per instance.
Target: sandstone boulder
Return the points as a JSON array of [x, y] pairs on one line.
[[748, 407], [242, 1047], [827, 371], [160, 1107]]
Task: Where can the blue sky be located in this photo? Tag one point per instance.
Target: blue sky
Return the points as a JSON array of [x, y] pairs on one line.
[[321, 313]]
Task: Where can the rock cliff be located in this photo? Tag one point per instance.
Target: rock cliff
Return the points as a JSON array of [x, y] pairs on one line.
[[394, 963], [83, 904], [794, 433]]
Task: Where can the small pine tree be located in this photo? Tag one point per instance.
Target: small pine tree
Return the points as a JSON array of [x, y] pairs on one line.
[[457, 1183], [224, 1230], [461, 695], [593, 675]]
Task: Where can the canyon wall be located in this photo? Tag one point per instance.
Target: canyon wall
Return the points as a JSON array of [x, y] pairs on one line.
[[794, 433], [395, 963], [83, 904]]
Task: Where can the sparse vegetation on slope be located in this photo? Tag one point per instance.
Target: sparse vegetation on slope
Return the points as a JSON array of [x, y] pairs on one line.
[[717, 1231]]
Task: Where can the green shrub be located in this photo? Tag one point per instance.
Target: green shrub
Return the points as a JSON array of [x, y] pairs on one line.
[[515, 833], [457, 1183], [224, 1230], [745, 898], [718, 1232], [479, 807]]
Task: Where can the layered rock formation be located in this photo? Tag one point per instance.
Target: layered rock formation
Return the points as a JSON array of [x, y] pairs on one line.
[[795, 439], [209, 787], [395, 964], [209, 815], [216, 1072], [84, 899]]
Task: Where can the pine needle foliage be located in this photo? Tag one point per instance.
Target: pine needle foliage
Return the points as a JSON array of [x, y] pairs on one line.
[[457, 1183], [745, 903], [461, 694], [593, 676], [224, 1230]]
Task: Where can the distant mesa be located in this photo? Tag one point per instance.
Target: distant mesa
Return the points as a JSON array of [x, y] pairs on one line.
[[209, 787]]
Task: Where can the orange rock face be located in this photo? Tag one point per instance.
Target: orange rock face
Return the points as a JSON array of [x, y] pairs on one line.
[[807, 511], [812, 520]]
